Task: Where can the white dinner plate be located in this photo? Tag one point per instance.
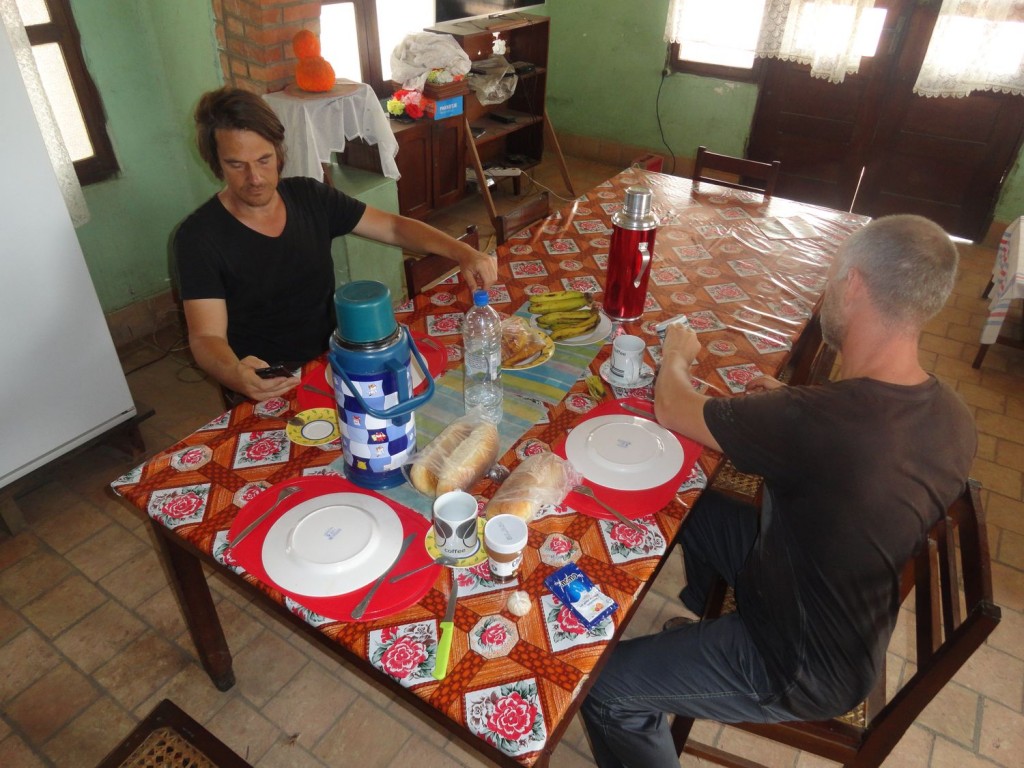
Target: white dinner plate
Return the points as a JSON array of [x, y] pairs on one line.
[[623, 452], [332, 544]]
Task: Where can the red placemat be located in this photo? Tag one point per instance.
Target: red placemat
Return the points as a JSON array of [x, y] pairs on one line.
[[632, 504], [390, 598]]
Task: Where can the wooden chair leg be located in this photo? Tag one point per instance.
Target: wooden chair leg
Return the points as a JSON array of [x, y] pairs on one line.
[[980, 356], [681, 727], [988, 288]]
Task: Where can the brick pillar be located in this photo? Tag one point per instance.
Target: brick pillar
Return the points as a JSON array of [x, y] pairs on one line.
[[254, 39]]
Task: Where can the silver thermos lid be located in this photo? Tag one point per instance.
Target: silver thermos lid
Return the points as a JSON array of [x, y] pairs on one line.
[[636, 211]]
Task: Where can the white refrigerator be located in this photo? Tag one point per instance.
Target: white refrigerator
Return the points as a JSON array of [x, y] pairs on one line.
[[61, 383]]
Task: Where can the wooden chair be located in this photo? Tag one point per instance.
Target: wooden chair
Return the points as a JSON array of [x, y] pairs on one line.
[[751, 175], [518, 219], [950, 626], [423, 272]]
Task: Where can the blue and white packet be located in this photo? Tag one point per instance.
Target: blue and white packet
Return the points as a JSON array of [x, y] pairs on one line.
[[577, 592]]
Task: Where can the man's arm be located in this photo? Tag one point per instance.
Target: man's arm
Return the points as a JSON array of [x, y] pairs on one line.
[[207, 321], [479, 269], [677, 405]]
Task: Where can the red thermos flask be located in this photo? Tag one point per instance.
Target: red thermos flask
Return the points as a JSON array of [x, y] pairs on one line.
[[629, 258]]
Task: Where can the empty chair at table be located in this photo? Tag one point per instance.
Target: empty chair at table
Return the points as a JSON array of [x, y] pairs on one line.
[[736, 172]]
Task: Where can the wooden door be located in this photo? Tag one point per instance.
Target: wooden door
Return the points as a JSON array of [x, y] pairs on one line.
[[942, 158], [449, 161]]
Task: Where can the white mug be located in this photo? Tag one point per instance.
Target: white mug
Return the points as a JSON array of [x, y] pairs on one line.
[[455, 524], [627, 358]]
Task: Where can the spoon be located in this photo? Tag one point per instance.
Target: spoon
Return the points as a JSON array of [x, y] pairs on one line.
[[586, 490], [285, 492]]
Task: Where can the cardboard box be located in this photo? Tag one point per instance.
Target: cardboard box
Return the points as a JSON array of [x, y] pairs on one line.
[[438, 109]]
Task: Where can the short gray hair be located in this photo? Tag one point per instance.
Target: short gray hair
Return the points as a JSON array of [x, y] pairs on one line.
[[908, 263]]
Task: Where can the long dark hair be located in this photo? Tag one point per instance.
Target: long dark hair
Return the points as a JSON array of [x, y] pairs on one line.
[[235, 109]]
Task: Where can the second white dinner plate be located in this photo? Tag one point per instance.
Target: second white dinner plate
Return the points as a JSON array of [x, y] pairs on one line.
[[332, 544], [624, 452]]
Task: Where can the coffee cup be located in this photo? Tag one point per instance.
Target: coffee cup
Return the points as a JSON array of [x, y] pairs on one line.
[[505, 538], [455, 524], [627, 359]]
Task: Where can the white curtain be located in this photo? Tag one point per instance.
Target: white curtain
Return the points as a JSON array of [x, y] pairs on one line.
[[823, 34], [59, 157], [977, 45]]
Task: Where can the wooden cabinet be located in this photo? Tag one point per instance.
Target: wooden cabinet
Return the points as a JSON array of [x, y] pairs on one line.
[[512, 133], [431, 158]]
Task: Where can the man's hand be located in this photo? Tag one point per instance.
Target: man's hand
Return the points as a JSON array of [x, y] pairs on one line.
[[763, 384], [480, 270], [260, 389], [680, 341]]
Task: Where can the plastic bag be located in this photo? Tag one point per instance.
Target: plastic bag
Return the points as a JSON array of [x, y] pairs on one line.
[[495, 81], [539, 480], [463, 453], [417, 54]]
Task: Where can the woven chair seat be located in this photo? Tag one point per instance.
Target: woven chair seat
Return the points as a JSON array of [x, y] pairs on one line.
[[166, 748]]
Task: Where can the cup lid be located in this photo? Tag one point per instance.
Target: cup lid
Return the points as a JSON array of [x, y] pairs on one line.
[[364, 313]]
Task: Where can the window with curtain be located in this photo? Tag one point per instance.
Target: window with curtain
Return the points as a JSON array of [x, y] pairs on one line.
[[358, 36], [73, 97], [725, 38], [975, 46]]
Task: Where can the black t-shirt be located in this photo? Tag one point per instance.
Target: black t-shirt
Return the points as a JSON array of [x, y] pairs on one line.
[[279, 290], [856, 472]]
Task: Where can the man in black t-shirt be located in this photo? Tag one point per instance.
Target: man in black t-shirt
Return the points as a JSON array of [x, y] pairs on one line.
[[254, 262], [856, 472]]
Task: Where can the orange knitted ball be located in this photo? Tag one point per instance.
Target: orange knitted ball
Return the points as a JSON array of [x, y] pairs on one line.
[[314, 74], [305, 44]]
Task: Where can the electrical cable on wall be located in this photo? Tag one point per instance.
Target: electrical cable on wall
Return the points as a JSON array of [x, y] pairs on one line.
[[657, 112]]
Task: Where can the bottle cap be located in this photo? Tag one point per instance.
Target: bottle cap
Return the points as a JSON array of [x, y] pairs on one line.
[[636, 211], [480, 298], [505, 534]]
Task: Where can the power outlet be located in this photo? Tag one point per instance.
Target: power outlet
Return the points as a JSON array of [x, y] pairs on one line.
[[666, 72]]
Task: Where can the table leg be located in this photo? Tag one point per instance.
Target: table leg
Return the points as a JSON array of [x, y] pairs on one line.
[[198, 608]]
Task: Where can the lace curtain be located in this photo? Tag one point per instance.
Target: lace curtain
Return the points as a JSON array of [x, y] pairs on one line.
[[977, 45], [59, 157], [823, 34]]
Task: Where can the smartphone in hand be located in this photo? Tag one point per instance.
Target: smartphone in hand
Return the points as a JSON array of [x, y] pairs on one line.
[[274, 371]]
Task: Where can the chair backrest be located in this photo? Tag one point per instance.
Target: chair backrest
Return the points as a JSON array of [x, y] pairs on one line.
[[954, 613], [519, 218], [751, 175], [427, 271]]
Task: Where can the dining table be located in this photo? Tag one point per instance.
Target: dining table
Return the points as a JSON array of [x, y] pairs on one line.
[[746, 271]]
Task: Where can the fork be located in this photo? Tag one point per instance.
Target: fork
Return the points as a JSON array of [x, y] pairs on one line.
[[285, 492], [586, 490]]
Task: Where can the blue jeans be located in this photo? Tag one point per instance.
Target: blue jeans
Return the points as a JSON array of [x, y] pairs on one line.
[[709, 670]]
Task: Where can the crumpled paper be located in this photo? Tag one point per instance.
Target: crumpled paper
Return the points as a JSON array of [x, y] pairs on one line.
[[418, 53]]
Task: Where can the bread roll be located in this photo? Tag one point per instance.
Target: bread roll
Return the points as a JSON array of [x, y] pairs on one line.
[[541, 479], [456, 458], [430, 461], [470, 460]]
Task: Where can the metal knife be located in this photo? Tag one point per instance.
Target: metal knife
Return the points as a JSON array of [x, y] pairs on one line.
[[444, 645], [637, 411], [359, 610]]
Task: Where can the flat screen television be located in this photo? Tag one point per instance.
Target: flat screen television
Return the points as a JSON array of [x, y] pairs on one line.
[[449, 10]]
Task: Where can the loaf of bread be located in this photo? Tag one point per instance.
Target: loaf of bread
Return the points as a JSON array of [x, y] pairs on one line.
[[543, 478], [456, 458]]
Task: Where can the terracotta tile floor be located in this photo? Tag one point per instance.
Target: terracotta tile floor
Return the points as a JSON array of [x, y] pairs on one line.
[[91, 637]]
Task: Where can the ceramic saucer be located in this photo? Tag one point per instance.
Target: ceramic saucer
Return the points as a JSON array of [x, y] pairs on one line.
[[646, 376]]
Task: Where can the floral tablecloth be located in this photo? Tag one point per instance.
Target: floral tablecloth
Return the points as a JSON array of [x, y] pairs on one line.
[[747, 274]]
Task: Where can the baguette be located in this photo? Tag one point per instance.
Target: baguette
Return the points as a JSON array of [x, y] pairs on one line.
[[541, 479], [470, 459], [456, 458]]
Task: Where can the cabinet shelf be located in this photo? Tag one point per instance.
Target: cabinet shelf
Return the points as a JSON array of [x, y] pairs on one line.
[[494, 130]]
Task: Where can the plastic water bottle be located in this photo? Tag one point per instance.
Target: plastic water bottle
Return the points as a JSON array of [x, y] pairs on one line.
[[481, 346]]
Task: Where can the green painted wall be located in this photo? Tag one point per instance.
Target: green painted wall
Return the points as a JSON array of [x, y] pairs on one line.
[[150, 61], [605, 67]]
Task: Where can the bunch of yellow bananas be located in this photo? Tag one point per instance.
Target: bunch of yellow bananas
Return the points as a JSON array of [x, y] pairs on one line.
[[565, 314]]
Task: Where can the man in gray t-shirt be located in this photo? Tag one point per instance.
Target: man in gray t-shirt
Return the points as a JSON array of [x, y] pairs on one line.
[[855, 471]]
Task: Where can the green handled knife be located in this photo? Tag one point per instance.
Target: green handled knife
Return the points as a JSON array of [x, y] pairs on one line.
[[444, 645]]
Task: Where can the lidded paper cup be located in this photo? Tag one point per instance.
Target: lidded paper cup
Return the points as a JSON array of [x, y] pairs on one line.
[[505, 538]]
